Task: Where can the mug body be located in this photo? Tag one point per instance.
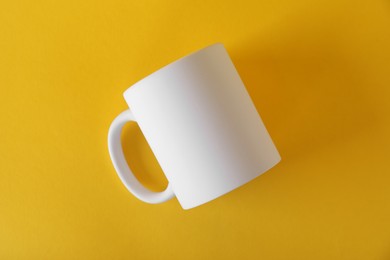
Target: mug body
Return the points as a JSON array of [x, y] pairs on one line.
[[202, 126]]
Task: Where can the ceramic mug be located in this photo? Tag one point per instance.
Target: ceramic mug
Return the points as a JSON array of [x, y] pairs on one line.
[[201, 125]]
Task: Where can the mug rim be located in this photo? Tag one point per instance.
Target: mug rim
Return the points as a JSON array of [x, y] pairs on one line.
[[179, 60]]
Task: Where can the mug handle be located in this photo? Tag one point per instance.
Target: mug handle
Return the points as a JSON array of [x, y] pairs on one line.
[[123, 170]]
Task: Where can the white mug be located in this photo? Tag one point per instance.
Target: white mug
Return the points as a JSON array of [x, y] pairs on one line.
[[201, 125]]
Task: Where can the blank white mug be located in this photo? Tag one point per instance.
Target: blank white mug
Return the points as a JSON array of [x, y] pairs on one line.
[[201, 125]]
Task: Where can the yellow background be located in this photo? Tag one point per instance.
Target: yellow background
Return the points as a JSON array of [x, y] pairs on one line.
[[318, 72]]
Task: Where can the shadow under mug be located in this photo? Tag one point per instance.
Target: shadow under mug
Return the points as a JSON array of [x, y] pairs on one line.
[[201, 125]]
